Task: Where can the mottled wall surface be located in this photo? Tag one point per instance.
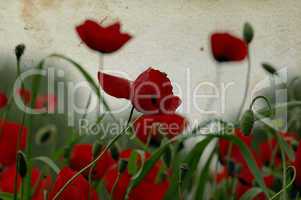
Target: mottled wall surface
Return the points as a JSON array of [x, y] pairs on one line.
[[169, 34]]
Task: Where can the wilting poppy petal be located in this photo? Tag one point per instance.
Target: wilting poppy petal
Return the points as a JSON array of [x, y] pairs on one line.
[[3, 100], [78, 190], [148, 188], [9, 132], [115, 86], [153, 125], [81, 155], [226, 47], [103, 39]]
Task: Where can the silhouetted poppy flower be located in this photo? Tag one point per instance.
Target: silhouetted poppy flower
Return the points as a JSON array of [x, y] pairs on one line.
[[158, 125], [148, 189], [7, 181], [103, 39], [226, 47], [78, 190], [46, 101], [297, 164], [9, 132], [3, 100], [150, 93], [82, 155], [25, 95]]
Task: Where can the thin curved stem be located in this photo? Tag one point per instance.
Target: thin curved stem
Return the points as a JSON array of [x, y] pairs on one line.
[[265, 99], [246, 87], [286, 186], [115, 185], [111, 143]]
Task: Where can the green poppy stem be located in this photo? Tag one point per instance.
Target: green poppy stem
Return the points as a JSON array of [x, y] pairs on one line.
[[246, 87]]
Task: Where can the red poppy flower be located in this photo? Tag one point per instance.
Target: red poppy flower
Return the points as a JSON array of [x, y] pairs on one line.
[[103, 39], [9, 132], [81, 155], [148, 189], [155, 126], [3, 100], [222, 175], [48, 101], [78, 190], [25, 95], [7, 181], [241, 188], [226, 47], [297, 164], [236, 157], [150, 93]]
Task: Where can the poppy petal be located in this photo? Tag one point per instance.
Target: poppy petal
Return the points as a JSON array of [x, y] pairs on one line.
[[115, 86]]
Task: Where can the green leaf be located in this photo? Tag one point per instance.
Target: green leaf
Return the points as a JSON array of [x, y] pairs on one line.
[[149, 163], [251, 193], [283, 145], [249, 160], [203, 178], [132, 165], [6, 196], [193, 159], [48, 162]]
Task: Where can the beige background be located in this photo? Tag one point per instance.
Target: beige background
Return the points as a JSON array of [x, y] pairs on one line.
[[168, 34]]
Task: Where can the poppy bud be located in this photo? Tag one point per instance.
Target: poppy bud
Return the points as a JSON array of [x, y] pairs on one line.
[[21, 164], [45, 134], [184, 169], [114, 152], [96, 149], [122, 165], [269, 68], [19, 50], [248, 33], [247, 122]]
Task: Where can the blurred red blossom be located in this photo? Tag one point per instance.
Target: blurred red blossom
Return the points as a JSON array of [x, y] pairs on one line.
[[226, 47], [7, 180], [78, 190], [46, 101], [82, 155], [148, 189], [158, 125], [9, 133], [3, 99], [150, 93], [25, 95], [103, 39]]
